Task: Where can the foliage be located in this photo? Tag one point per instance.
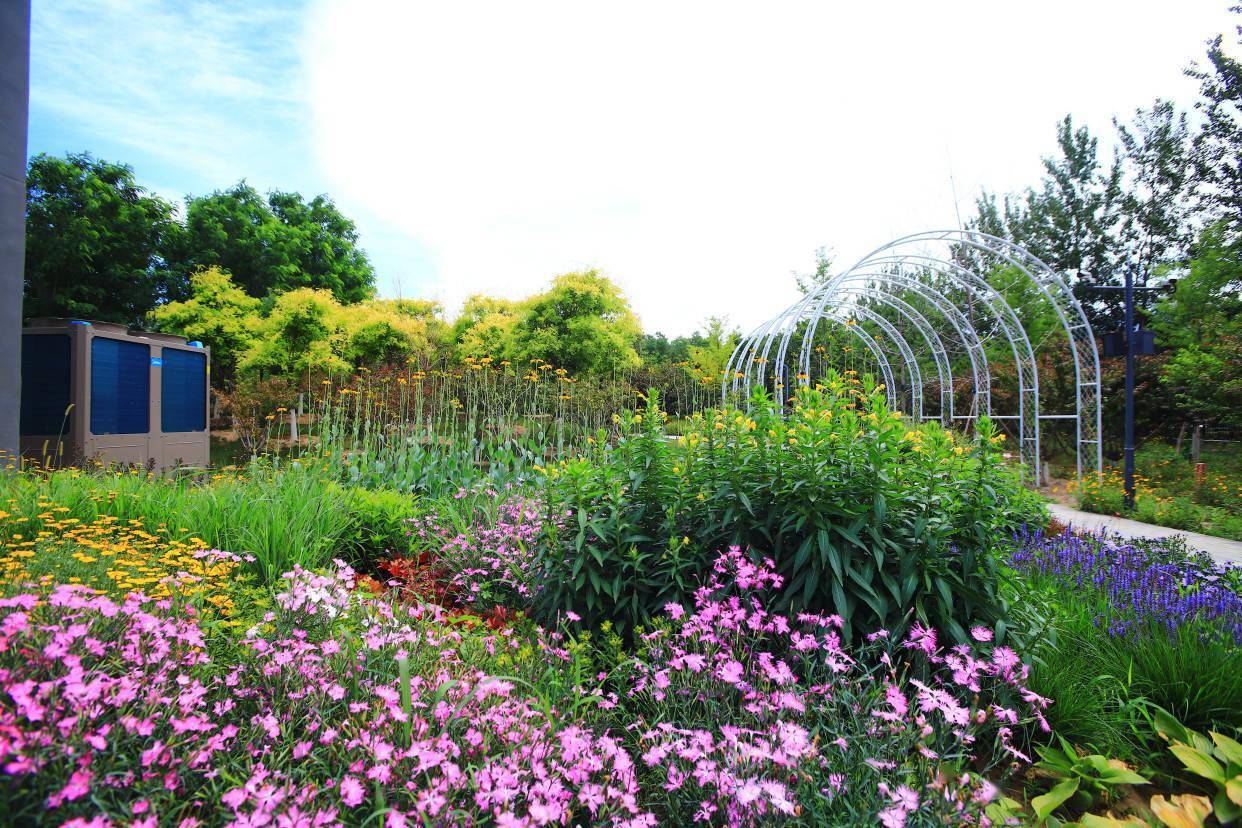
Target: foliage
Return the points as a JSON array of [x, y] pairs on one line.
[[280, 513], [1215, 761], [95, 241], [218, 314], [1116, 625], [582, 323], [865, 517], [117, 557], [1169, 492], [710, 359], [1201, 323], [1084, 780], [275, 244], [1218, 146]]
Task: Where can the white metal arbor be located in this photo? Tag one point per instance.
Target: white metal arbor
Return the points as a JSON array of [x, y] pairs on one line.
[[947, 277]]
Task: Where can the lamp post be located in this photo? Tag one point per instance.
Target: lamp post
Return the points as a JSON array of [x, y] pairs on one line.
[[1132, 338]]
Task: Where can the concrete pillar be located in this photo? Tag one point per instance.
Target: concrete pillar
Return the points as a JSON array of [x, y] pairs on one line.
[[14, 112]]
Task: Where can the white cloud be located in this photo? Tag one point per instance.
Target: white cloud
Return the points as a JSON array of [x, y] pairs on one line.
[[698, 152]]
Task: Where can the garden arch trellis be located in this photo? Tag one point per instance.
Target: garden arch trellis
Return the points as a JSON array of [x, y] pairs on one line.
[[940, 269]]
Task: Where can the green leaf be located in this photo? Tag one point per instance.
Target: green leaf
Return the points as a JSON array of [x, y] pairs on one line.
[[1199, 763], [1047, 803], [1227, 748]]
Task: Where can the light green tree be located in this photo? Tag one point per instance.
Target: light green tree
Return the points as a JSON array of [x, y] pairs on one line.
[[583, 323], [219, 314]]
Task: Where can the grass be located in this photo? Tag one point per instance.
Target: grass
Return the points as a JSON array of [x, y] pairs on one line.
[[282, 513]]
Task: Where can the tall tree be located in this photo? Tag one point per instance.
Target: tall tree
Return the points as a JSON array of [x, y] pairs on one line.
[[94, 241], [582, 323], [1071, 222], [1218, 146], [276, 244], [1156, 206], [217, 313]]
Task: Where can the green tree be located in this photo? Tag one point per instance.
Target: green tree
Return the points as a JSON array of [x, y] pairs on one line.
[[380, 332], [809, 282], [484, 328], [1201, 326], [276, 244], [219, 314], [582, 323], [710, 359], [300, 336], [94, 240], [1073, 221], [1156, 203], [1218, 146]]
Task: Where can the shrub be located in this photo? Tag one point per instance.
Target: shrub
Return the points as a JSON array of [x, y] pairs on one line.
[[744, 716], [867, 516], [379, 524]]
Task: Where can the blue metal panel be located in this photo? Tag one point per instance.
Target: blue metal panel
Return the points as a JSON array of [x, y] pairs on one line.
[[120, 387], [183, 391], [45, 385]]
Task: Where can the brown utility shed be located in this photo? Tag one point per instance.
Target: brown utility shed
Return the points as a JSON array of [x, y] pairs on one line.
[[99, 390]]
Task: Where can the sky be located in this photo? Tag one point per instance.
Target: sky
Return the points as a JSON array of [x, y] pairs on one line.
[[697, 153]]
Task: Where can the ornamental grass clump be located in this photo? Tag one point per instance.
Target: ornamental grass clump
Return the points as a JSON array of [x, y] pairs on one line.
[[868, 516], [744, 716]]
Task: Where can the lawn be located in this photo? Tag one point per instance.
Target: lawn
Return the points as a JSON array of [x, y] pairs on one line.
[[818, 614]]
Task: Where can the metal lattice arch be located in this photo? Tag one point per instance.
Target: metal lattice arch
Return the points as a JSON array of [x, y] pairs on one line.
[[933, 295]]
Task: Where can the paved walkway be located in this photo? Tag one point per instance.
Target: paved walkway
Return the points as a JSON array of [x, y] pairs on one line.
[[1221, 550]]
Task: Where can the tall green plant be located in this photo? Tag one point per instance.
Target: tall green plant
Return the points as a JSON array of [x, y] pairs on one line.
[[865, 514]]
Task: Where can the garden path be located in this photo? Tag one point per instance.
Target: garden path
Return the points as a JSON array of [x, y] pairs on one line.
[[1222, 550]]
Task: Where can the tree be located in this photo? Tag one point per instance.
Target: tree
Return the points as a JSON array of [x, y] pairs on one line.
[[94, 240], [1218, 146], [379, 332], [583, 323], [276, 244], [1156, 203], [1201, 326], [808, 282], [710, 359], [1072, 222], [300, 336], [484, 328], [219, 314]]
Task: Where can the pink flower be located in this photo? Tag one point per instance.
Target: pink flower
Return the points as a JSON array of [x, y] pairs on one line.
[[980, 633], [730, 672], [352, 792]]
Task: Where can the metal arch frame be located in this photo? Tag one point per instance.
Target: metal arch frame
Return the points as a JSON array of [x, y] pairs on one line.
[[975, 352], [976, 285], [877, 268], [736, 361], [935, 345], [1088, 409], [1011, 328], [903, 349], [969, 337]]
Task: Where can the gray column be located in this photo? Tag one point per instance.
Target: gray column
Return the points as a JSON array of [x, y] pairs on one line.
[[14, 106]]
